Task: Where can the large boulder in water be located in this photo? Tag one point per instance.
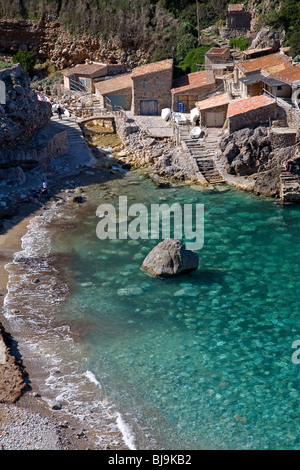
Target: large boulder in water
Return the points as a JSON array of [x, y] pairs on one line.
[[169, 258]]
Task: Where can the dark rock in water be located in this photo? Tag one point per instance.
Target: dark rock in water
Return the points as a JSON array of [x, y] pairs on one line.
[[158, 181], [126, 166], [78, 199], [169, 258]]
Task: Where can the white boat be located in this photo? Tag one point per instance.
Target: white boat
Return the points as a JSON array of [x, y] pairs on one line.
[[194, 115], [179, 118], [43, 98], [195, 132], [166, 113]]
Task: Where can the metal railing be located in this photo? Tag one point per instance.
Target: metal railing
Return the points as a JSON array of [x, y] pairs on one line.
[[76, 86]]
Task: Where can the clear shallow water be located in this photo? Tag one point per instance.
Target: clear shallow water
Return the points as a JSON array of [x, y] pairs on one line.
[[201, 361]]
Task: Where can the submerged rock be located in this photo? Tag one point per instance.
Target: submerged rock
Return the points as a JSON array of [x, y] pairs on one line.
[[169, 258], [158, 181]]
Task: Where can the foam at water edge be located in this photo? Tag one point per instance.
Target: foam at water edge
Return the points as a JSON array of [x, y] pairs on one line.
[[36, 244], [89, 375], [127, 433]]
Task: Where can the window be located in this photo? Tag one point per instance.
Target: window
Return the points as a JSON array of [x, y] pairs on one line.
[[145, 84], [82, 81], [279, 87], [159, 85]]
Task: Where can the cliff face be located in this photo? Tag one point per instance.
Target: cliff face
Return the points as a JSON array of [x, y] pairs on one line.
[[23, 114], [108, 28], [49, 40]]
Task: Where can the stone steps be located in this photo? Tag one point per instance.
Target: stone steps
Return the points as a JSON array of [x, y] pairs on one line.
[[289, 187], [204, 153]]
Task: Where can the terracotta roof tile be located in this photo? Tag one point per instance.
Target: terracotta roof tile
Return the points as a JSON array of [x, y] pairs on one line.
[[114, 84], [85, 69], [215, 101], [192, 81], [255, 65], [153, 67], [289, 74], [218, 50], [248, 104]]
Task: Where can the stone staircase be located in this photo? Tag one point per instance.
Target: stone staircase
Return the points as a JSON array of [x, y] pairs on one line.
[[204, 152], [289, 187], [77, 144]]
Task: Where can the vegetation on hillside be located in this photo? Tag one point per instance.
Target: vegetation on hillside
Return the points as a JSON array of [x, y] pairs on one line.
[[285, 15], [161, 28], [27, 60]]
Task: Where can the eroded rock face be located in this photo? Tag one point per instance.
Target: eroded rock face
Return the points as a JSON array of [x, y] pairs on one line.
[[169, 258], [258, 154], [12, 382], [246, 151], [23, 114]]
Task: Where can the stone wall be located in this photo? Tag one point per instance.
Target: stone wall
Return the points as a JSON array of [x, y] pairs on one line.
[[45, 146], [256, 117], [281, 138]]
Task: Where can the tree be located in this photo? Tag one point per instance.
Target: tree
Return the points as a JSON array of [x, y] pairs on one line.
[[295, 43]]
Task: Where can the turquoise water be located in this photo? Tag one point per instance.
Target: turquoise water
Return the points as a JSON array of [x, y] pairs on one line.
[[201, 361]]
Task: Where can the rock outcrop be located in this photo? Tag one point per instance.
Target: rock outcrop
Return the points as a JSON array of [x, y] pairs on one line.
[[12, 382], [23, 114], [169, 258], [258, 153], [50, 40]]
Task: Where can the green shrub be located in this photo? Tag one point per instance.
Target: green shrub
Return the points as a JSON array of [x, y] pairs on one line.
[[192, 61], [241, 43], [5, 65], [26, 59]]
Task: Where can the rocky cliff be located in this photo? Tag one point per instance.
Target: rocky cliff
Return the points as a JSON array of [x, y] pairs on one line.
[[49, 40], [23, 114], [259, 153]]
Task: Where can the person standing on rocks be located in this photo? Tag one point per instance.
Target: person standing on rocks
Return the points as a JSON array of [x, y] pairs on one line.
[[59, 112]]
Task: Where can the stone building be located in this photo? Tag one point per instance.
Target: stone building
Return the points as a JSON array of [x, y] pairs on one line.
[[152, 84], [252, 112], [251, 76], [238, 17], [219, 60], [82, 77], [213, 110], [115, 92], [190, 88]]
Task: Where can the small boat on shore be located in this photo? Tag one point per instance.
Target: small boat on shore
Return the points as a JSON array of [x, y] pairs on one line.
[[179, 118], [166, 113], [194, 116], [195, 132]]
